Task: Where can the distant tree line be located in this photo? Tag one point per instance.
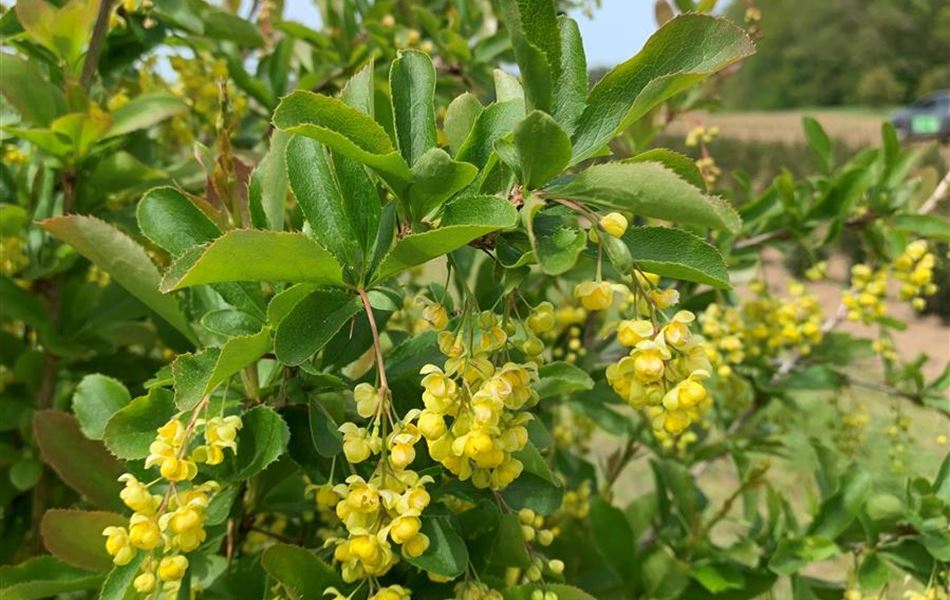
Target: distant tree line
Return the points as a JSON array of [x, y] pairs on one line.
[[843, 52]]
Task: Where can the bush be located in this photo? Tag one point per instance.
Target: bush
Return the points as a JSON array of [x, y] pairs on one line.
[[417, 334], [879, 87], [934, 80]]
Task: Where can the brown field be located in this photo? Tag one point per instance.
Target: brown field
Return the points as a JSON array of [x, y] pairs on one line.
[[923, 334], [855, 128]]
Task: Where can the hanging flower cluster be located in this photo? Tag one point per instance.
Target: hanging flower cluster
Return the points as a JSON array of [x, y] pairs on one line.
[[168, 526], [474, 411]]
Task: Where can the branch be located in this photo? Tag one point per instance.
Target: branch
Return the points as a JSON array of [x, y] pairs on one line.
[[939, 192], [99, 31]]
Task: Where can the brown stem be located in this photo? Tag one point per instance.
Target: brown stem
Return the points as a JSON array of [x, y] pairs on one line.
[[99, 31], [378, 348]]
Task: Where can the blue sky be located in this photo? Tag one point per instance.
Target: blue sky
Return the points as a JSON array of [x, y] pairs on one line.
[[615, 33]]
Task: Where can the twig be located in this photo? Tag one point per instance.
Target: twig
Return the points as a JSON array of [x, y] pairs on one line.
[[939, 192], [778, 234], [99, 31]]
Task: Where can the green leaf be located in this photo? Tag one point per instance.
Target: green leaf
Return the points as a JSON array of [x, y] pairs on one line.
[[123, 259], [561, 378], [941, 485], [465, 219], [536, 488], [412, 86], [83, 464], [570, 90], [564, 592], [344, 129], [261, 441], [267, 189], [75, 536], [222, 25], [873, 574], [435, 179], [323, 204], [120, 579], [327, 439], [507, 86], [43, 577], [676, 254], [460, 118], [555, 238], [447, 554], [685, 51], [536, 41], [145, 111], [509, 549], [820, 144], [312, 323], [358, 91], [933, 227], [63, 29], [543, 147], [663, 575], [95, 400], [197, 375], [648, 190], [614, 537], [131, 430], [173, 222], [12, 219], [24, 87], [684, 166], [491, 124], [299, 569], [230, 322], [250, 255], [718, 577], [840, 509], [25, 473]]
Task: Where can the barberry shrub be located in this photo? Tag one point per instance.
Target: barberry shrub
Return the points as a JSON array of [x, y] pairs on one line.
[[378, 320]]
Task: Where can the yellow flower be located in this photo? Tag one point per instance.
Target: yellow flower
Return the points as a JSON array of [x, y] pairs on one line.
[[436, 316], [393, 592], [431, 424], [358, 443], [614, 223], [664, 298], [144, 532], [144, 583], [648, 361], [367, 400], [172, 568], [222, 432], [404, 528], [136, 496], [631, 333], [595, 296], [676, 332], [118, 545], [541, 318], [416, 546]]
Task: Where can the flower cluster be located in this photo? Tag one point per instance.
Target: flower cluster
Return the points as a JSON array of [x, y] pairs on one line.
[[377, 514], [13, 257], [663, 373], [724, 330], [914, 270], [171, 525], [866, 301], [484, 403], [475, 590], [775, 325]]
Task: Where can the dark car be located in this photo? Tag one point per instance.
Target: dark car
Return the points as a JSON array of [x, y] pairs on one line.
[[928, 117]]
